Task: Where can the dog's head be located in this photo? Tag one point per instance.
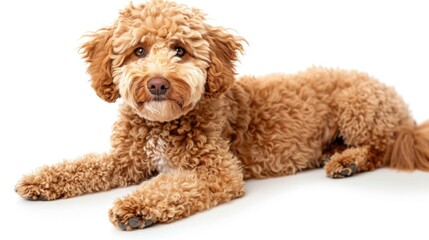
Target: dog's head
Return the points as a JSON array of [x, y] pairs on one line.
[[162, 59]]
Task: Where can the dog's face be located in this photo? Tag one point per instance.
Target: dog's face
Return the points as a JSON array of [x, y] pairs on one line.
[[162, 59]]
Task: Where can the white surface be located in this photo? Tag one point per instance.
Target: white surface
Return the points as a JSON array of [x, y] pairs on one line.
[[49, 113]]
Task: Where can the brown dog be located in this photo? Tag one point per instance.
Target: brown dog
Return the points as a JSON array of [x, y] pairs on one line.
[[189, 132]]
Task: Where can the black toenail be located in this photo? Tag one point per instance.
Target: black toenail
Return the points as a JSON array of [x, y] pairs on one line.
[[148, 223], [122, 225], [134, 222], [337, 175], [346, 172], [34, 198], [353, 168], [119, 216]]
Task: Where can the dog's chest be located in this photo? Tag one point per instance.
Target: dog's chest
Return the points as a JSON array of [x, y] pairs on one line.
[[155, 149]]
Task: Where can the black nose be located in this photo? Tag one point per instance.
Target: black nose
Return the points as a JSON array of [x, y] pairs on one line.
[[158, 86]]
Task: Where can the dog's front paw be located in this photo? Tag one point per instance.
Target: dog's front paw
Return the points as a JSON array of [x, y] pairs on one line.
[[128, 214], [36, 187]]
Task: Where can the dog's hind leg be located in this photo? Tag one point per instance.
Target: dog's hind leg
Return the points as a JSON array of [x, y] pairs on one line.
[[368, 113], [340, 161], [353, 160]]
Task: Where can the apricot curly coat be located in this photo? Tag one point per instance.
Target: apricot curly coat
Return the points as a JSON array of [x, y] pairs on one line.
[[191, 147]]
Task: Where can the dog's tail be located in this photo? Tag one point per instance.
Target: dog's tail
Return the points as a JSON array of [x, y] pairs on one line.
[[411, 149]]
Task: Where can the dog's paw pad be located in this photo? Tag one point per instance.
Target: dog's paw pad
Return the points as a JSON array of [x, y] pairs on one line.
[[148, 223], [128, 214], [122, 226], [127, 223], [35, 198], [134, 222]]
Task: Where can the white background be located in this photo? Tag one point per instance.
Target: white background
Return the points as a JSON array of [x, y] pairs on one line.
[[49, 113]]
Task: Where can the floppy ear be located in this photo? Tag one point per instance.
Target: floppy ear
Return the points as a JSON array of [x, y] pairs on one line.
[[97, 53], [224, 48]]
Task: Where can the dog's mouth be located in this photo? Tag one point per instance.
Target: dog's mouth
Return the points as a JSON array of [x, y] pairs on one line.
[[153, 99], [162, 109], [158, 98]]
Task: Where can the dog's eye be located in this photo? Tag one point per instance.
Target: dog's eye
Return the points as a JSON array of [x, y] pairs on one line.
[[140, 52], [180, 52]]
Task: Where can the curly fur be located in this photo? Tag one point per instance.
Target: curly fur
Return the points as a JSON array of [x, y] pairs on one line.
[[97, 53], [194, 149]]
